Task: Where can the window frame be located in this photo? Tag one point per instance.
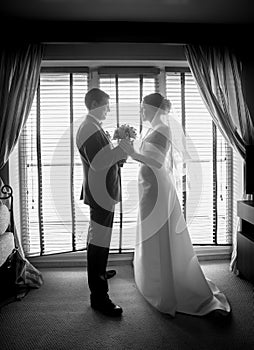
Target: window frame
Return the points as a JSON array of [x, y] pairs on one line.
[[93, 78]]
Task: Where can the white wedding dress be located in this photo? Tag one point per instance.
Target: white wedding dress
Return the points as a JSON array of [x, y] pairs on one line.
[[166, 269]]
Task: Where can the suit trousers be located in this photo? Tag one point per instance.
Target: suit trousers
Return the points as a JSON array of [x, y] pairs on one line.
[[98, 242]]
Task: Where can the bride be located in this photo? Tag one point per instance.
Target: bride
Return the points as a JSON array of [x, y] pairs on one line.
[[166, 269]]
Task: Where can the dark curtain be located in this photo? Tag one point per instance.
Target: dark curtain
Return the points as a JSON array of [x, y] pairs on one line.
[[218, 75], [19, 75]]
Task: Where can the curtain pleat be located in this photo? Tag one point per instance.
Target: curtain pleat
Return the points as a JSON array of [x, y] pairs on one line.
[[217, 72], [19, 75]]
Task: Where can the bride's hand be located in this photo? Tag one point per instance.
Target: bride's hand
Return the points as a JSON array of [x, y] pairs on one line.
[[127, 146]]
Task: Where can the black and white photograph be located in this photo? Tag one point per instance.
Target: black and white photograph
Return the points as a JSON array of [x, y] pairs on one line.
[[126, 175]]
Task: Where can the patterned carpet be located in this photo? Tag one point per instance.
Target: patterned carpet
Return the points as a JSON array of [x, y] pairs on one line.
[[58, 316]]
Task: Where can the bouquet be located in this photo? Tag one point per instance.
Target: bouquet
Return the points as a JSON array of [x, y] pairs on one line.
[[127, 132]]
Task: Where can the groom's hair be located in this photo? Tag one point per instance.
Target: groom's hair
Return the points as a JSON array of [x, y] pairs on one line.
[[97, 95]]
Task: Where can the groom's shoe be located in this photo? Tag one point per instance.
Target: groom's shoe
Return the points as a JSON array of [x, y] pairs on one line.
[[107, 307], [110, 274]]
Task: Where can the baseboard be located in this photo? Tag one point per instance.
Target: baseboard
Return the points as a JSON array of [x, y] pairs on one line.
[[78, 259], [213, 252]]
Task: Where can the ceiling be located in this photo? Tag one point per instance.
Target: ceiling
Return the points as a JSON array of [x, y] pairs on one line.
[[172, 11], [164, 21]]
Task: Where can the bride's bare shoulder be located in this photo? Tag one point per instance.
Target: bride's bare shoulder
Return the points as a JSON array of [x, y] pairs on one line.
[[163, 130], [159, 136]]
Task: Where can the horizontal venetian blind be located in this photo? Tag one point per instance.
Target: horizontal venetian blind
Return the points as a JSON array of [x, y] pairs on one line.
[[208, 203], [53, 219], [126, 93]]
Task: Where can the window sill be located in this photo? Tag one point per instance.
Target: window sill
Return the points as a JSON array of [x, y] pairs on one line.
[[78, 259]]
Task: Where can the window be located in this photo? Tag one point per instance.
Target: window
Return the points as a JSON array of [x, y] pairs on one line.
[[209, 212], [126, 88], [51, 177], [53, 220]]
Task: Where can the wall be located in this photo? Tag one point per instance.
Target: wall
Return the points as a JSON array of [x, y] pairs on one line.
[[123, 31], [113, 51]]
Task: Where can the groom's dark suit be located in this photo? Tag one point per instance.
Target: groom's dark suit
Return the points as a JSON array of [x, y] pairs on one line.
[[101, 191]]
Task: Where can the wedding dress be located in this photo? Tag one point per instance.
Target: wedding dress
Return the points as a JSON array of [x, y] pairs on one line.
[[166, 269]]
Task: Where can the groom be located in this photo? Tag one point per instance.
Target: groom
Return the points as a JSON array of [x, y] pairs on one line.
[[101, 191]]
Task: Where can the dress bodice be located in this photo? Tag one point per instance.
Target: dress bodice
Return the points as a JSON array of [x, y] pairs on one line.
[[156, 144]]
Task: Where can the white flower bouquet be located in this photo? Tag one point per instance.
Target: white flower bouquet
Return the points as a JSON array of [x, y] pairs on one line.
[[125, 131]]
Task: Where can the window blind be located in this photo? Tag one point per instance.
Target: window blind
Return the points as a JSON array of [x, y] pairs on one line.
[[53, 220], [208, 204], [126, 92]]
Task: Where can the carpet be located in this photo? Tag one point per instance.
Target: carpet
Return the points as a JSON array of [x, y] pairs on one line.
[[58, 316]]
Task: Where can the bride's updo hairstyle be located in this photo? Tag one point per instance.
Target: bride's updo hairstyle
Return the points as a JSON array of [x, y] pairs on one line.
[[158, 101]]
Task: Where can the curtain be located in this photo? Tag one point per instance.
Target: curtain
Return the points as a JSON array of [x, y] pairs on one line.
[[19, 75], [218, 74]]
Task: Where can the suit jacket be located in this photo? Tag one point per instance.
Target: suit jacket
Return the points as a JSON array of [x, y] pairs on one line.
[[101, 178]]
